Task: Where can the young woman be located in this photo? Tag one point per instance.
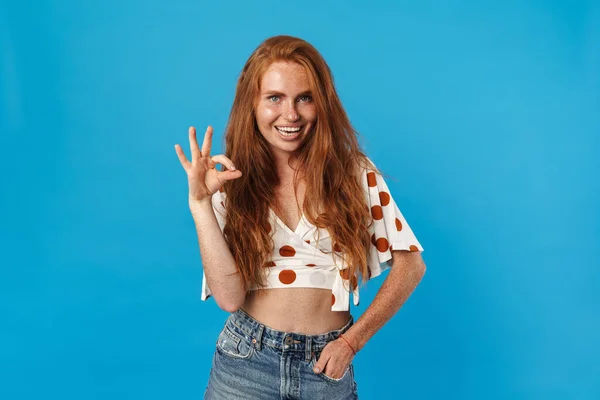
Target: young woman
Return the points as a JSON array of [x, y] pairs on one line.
[[295, 220]]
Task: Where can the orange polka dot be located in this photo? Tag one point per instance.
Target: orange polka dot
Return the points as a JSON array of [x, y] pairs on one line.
[[287, 251], [382, 244], [373, 240], [371, 179], [311, 265], [377, 212], [391, 248], [270, 264], [398, 225], [287, 276], [413, 248], [307, 241], [222, 204], [345, 273], [384, 197], [332, 299], [336, 247]]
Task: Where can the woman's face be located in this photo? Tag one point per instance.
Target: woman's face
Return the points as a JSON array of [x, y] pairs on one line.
[[285, 111]]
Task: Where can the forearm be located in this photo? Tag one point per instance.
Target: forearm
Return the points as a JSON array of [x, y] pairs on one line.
[[401, 281], [219, 266]]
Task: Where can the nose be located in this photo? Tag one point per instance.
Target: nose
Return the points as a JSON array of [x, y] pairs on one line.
[[290, 113]]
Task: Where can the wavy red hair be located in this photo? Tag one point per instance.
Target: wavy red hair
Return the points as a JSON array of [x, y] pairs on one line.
[[329, 156]]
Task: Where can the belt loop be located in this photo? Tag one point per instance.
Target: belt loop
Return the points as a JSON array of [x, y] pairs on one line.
[[308, 351], [258, 337]]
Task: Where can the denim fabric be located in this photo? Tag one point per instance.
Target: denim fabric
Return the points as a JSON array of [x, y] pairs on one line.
[[253, 361]]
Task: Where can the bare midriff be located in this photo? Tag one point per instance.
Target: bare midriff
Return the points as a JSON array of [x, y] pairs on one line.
[[301, 310]]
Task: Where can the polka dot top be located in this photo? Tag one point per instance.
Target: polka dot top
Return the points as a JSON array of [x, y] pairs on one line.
[[298, 260]]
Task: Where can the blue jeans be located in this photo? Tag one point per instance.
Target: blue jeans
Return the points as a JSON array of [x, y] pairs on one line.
[[253, 361]]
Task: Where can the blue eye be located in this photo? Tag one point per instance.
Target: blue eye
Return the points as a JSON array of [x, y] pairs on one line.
[[306, 98], [273, 98]]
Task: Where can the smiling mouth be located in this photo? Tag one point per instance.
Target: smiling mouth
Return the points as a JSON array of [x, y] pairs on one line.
[[288, 131]]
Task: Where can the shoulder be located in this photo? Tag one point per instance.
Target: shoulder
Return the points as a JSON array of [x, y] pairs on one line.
[[367, 172]]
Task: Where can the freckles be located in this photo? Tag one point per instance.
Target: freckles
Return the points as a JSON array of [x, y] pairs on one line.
[[264, 114], [270, 113], [310, 110]]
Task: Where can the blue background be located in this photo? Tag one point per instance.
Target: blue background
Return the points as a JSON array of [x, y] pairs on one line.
[[487, 114]]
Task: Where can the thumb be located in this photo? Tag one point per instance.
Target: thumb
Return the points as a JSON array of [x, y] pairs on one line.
[[320, 364], [229, 175]]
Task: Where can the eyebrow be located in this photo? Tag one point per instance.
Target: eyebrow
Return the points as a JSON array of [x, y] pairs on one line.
[[275, 92]]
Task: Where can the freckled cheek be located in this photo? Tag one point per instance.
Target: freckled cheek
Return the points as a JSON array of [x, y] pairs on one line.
[[309, 113], [268, 116]]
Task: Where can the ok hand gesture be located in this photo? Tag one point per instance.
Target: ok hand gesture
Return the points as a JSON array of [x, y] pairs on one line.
[[203, 178]]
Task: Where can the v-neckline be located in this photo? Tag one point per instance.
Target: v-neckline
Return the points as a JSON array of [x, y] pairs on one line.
[[283, 224]]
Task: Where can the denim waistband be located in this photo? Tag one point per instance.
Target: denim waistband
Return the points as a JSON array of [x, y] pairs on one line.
[[260, 334]]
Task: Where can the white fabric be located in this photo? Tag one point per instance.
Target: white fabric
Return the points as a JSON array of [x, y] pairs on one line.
[[326, 272]]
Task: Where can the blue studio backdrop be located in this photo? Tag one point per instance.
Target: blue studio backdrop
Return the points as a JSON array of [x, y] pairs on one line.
[[485, 113]]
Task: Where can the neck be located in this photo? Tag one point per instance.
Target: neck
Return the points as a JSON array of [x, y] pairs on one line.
[[286, 167]]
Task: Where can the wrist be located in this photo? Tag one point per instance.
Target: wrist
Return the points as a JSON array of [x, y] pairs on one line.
[[352, 347], [203, 203], [201, 209], [354, 339]]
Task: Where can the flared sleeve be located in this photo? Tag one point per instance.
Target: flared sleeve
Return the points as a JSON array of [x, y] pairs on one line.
[[389, 230]]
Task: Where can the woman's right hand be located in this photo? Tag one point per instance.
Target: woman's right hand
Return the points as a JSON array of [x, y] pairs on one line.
[[203, 178]]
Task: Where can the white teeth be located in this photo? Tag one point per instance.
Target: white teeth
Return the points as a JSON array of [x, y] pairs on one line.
[[285, 129]]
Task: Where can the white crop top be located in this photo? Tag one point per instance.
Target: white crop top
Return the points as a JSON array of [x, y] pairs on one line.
[[299, 261]]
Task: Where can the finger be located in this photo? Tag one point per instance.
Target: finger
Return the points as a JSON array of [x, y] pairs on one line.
[[194, 144], [223, 176], [330, 371], [207, 143], [334, 372], [221, 159], [321, 363], [181, 155]]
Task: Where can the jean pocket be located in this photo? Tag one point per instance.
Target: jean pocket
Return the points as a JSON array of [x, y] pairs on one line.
[[233, 345], [347, 372]]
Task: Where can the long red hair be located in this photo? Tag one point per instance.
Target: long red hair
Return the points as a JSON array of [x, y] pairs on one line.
[[330, 157]]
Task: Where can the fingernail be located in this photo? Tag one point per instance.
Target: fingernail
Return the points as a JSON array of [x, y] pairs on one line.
[[316, 370], [232, 167]]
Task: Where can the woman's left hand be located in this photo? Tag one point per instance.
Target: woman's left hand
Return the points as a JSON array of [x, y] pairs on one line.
[[335, 359]]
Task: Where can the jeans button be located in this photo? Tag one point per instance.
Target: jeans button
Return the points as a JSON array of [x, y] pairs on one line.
[[288, 340]]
